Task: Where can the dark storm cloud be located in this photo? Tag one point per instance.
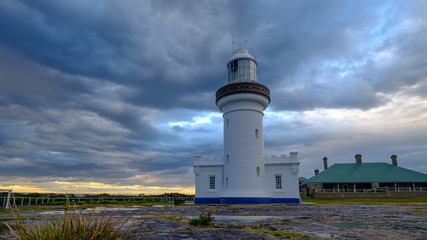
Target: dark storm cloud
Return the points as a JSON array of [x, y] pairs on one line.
[[303, 47], [150, 52], [97, 89]]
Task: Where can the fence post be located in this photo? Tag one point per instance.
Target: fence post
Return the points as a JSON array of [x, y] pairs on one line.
[[29, 201], [8, 199]]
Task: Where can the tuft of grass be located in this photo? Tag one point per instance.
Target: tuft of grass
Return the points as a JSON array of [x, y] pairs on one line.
[[204, 220], [283, 235], [73, 225], [174, 218], [251, 214]]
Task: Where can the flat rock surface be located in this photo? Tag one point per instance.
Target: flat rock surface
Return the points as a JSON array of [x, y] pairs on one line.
[[233, 221]]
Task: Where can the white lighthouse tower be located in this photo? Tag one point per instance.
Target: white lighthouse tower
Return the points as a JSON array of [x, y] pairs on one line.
[[244, 175], [243, 101]]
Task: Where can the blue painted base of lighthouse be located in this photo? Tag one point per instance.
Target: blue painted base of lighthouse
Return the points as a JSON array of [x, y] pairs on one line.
[[206, 201], [245, 200], [285, 200]]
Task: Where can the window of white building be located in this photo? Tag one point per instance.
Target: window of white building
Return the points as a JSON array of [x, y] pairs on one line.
[[278, 181], [257, 171], [211, 182], [256, 133]]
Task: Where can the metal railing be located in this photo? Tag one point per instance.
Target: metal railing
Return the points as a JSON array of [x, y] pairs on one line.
[[29, 201], [375, 190]]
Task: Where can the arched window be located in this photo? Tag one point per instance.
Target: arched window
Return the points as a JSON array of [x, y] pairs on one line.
[[226, 122], [257, 171], [226, 182], [256, 133], [228, 159]]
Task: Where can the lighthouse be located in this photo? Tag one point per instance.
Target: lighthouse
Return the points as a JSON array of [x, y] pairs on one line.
[[244, 174]]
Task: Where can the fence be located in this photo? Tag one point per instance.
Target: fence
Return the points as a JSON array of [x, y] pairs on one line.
[[6, 200], [365, 193], [29, 201], [418, 189]]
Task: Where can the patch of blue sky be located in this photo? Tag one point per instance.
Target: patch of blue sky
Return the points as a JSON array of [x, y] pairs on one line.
[[203, 119]]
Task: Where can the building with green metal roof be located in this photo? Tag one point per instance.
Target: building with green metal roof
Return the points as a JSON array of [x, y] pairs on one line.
[[362, 177]]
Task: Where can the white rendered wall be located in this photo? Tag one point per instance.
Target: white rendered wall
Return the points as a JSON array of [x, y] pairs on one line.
[[243, 145], [203, 169], [287, 168]]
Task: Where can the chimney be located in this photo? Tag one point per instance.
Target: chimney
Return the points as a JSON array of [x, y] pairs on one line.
[[316, 171], [358, 158], [325, 162], [394, 159]]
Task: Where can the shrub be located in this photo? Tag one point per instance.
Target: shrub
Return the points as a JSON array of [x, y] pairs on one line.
[[203, 220]]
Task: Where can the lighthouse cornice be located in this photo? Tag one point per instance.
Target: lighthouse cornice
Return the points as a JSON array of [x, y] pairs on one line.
[[243, 87]]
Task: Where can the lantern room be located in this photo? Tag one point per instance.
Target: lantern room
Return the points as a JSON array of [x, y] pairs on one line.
[[241, 67]]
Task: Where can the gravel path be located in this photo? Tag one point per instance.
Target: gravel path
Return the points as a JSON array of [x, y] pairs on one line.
[[232, 221]]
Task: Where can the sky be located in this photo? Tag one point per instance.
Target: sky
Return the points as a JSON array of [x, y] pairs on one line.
[[119, 96]]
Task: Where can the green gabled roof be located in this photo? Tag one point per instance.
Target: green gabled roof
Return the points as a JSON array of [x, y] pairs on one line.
[[302, 179], [366, 173]]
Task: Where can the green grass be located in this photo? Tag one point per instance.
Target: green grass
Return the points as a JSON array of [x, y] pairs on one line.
[[282, 235], [383, 201], [251, 214]]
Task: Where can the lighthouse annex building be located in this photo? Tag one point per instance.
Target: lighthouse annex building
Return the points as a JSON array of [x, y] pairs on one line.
[[244, 175]]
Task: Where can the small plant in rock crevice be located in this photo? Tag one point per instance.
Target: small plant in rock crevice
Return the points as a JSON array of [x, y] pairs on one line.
[[204, 220]]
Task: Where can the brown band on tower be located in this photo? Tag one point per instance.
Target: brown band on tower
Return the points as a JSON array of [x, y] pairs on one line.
[[243, 87]]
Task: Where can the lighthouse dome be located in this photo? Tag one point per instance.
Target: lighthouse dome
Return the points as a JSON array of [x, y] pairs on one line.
[[241, 67]]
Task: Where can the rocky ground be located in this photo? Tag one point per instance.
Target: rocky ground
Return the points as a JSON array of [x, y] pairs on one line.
[[234, 221]]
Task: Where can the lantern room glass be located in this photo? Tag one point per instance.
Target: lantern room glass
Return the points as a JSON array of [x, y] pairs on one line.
[[242, 70]]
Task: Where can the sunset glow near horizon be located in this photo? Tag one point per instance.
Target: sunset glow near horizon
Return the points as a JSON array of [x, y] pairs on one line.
[[118, 97]]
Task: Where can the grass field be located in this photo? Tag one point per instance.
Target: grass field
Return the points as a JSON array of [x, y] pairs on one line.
[[386, 201]]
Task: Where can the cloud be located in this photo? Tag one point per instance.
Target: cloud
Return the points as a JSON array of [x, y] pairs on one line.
[[121, 94]]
